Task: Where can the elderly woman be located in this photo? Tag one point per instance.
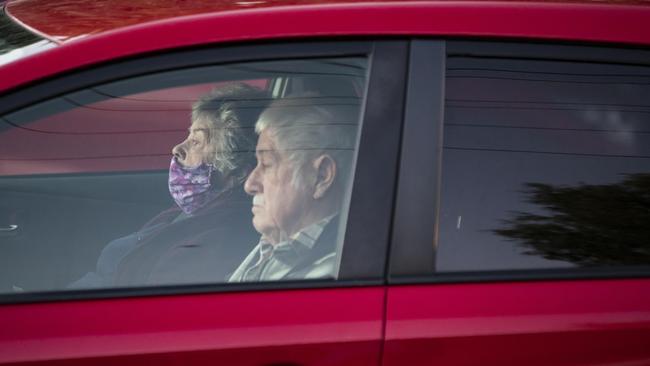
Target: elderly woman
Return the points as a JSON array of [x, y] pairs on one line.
[[208, 233]]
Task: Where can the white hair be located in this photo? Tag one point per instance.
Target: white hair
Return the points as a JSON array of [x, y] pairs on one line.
[[307, 126], [231, 111]]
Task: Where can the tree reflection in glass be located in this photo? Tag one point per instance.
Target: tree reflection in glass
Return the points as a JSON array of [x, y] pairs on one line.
[[589, 225]]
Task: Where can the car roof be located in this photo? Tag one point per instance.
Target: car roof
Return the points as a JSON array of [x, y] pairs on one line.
[[126, 30], [66, 20]]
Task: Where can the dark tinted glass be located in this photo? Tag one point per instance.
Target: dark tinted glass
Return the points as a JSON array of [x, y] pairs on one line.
[[546, 164]]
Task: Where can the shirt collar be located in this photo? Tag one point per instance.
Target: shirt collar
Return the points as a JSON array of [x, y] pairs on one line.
[[297, 246]]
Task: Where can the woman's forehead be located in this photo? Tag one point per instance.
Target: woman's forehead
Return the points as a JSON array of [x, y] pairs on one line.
[[200, 127], [200, 124]]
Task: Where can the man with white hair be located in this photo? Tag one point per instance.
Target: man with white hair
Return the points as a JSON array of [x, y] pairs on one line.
[[304, 157]]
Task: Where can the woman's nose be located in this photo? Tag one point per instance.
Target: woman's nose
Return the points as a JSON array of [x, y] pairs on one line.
[[179, 152]]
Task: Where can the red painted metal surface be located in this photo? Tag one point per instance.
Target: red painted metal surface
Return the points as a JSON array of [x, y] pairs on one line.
[[605, 322], [554, 21], [67, 19], [302, 327]]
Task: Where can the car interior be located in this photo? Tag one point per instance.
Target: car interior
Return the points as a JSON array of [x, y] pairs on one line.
[[90, 166]]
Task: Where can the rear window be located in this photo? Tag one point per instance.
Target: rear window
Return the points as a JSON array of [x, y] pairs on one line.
[[546, 164]]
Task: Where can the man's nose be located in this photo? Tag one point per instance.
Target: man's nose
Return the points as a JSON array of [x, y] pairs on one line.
[[251, 185], [179, 152]]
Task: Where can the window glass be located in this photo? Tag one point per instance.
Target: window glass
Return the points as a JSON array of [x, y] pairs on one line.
[[546, 164], [216, 174]]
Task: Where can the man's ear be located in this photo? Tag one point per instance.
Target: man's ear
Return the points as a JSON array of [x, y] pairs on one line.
[[325, 168]]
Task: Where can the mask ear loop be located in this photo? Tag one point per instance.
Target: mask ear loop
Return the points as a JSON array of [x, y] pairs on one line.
[[212, 169]]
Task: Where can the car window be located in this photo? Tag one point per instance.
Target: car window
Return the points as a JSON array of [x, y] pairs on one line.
[[546, 164], [214, 174]]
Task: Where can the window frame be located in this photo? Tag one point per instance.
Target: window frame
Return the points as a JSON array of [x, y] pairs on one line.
[[376, 164], [414, 240]]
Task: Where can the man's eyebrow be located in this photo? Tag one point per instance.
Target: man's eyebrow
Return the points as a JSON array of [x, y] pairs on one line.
[[265, 152]]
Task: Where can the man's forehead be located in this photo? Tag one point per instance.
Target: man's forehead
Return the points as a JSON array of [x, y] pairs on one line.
[[265, 144]]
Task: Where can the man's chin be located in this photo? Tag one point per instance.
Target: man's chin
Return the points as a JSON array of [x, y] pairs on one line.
[[259, 225], [267, 231]]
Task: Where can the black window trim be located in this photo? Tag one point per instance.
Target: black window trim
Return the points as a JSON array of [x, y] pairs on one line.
[[543, 50], [379, 137], [70, 81], [412, 258]]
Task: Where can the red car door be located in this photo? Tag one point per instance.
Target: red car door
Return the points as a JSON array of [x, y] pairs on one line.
[[282, 327], [289, 322], [524, 239], [590, 322]]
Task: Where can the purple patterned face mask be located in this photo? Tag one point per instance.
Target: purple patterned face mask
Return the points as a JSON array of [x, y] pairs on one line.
[[190, 187]]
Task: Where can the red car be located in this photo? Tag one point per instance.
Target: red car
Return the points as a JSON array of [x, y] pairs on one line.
[[485, 164]]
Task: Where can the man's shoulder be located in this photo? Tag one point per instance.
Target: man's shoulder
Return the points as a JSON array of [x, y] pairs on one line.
[[323, 267], [327, 241], [321, 261]]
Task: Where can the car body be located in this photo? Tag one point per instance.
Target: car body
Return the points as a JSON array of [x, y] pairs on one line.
[[403, 296]]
